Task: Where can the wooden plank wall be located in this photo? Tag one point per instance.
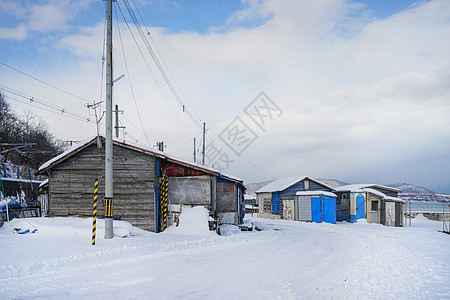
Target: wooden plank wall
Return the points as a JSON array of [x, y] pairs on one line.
[[72, 184]]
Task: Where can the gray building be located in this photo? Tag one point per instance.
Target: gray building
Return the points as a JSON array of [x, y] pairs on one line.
[[138, 174]]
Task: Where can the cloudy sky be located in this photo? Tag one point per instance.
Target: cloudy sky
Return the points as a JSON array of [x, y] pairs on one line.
[[352, 90]]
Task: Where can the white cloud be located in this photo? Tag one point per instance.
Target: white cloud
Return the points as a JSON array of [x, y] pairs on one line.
[[39, 16], [17, 33], [362, 98]]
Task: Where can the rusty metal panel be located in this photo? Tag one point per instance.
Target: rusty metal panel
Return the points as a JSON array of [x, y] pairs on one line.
[[190, 190]]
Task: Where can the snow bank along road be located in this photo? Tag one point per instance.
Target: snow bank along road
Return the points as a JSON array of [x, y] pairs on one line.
[[286, 260]]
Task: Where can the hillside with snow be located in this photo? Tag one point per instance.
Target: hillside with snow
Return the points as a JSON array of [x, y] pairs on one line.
[[285, 260]]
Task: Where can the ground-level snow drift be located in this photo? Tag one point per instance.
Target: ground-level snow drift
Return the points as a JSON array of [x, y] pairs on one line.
[[286, 260]]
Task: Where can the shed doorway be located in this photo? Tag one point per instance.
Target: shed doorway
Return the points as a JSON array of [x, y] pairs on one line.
[[374, 211]]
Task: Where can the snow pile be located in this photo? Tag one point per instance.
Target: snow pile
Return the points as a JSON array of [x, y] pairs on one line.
[[122, 229], [193, 222]]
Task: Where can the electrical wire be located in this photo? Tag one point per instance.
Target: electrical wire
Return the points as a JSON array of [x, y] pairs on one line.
[[43, 82], [158, 85], [185, 107], [129, 81], [245, 158], [64, 115], [157, 62], [49, 106]]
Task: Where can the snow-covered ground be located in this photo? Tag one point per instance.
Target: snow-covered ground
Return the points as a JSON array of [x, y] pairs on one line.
[[286, 260]]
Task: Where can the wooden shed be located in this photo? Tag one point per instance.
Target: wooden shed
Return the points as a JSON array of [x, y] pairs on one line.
[[138, 174], [374, 202], [277, 199]]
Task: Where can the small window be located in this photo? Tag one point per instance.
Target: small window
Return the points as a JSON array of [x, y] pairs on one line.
[[374, 204], [306, 184], [267, 205]]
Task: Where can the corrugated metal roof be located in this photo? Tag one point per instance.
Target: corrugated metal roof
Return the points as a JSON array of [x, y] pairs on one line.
[[134, 146]]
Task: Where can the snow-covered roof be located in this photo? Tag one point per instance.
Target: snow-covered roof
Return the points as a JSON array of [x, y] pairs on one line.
[[315, 193], [45, 182], [363, 186], [394, 199], [134, 146], [20, 180], [375, 192], [283, 183]]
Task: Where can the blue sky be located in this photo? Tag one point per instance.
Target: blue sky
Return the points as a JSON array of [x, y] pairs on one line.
[[360, 83]]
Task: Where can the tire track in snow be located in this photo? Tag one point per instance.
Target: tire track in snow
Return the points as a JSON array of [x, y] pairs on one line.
[[41, 276]]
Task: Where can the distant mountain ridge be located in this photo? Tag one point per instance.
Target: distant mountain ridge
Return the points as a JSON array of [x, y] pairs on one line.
[[410, 192], [407, 188]]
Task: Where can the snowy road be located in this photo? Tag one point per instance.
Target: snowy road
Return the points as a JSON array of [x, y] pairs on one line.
[[287, 260]]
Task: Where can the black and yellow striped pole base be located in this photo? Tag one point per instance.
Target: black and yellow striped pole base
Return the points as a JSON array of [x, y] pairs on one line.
[[108, 218], [94, 212], [164, 200], [281, 208]]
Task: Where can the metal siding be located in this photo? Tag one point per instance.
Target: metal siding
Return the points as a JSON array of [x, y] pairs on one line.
[[190, 190], [276, 203], [329, 209], [315, 210], [314, 186], [304, 208], [289, 193]]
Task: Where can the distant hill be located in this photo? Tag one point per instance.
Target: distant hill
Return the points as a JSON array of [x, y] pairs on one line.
[[253, 187], [418, 193], [333, 182], [407, 188]]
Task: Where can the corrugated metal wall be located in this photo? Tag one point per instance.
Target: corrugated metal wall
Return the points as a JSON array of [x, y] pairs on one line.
[[304, 208]]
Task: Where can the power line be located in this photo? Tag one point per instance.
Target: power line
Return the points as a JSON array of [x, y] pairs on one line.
[[157, 62], [158, 85], [52, 111], [41, 81], [129, 81], [245, 158], [32, 99]]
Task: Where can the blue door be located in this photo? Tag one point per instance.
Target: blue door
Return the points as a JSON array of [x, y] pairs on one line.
[[360, 207], [315, 210], [329, 209], [276, 203]]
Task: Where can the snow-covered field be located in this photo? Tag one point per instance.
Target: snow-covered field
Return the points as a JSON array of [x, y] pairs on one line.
[[286, 260]]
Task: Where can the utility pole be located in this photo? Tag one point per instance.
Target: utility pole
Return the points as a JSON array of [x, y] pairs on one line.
[[203, 151], [194, 151], [109, 234]]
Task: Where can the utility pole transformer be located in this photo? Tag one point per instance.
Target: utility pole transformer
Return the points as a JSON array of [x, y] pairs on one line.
[[109, 233]]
